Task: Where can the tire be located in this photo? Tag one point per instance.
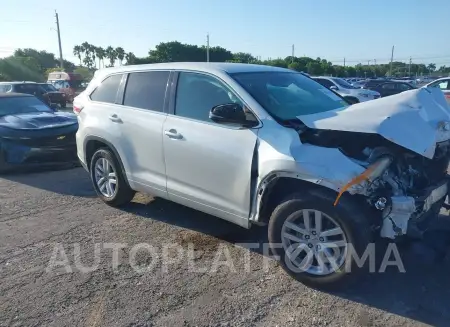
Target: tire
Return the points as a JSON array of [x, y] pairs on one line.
[[3, 166], [352, 100], [122, 193], [63, 104], [348, 216]]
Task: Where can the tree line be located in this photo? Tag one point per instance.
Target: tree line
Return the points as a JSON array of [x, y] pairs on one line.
[[88, 53], [34, 65]]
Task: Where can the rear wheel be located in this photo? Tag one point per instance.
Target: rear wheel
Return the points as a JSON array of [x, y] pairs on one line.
[[316, 240], [108, 179]]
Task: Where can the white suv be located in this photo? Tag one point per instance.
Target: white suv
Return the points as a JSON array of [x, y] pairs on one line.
[[263, 145], [346, 90]]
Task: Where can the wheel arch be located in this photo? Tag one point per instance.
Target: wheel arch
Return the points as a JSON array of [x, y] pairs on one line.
[[276, 186], [93, 143]]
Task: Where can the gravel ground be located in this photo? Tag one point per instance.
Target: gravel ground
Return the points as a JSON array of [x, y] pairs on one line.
[[40, 210]]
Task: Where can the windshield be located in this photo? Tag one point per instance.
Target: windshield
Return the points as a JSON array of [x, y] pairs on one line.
[[49, 87], [343, 83], [21, 105], [287, 95]]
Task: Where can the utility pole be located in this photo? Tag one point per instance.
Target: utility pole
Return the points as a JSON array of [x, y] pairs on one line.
[[61, 62], [344, 62], [293, 53], [375, 61], [392, 59], [207, 47], [410, 61]]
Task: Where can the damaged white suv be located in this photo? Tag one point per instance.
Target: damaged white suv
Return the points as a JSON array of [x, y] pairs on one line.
[[263, 145]]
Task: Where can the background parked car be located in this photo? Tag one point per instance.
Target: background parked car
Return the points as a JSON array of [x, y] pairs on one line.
[[390, 88], [27, 88], [444, 85], [32, 133], [68, 83], [346, 90], [54, 95]]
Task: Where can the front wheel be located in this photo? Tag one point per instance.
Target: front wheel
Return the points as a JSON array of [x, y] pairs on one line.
[[108, 180], [315, 240]]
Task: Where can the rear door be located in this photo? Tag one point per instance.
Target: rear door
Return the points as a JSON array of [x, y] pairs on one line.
[[140, 120], [208, 165]]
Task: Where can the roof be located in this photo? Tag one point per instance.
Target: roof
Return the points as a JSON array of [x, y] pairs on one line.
[[13, 95], [212, 67]]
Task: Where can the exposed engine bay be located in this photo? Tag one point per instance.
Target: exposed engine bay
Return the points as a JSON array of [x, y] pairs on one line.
[[404, 189]]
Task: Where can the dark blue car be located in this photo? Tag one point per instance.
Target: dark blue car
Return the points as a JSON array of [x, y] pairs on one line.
[[31, 133]]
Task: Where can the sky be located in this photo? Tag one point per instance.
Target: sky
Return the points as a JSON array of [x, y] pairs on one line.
[[357, 30]]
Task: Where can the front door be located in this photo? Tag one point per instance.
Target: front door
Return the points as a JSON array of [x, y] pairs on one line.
[[208, 165]]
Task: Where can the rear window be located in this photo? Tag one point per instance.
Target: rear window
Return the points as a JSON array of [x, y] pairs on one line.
[[107, 90], [146, 90]]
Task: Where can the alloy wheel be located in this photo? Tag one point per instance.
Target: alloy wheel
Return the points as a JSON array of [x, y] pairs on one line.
[[105, 177], [313, 242]]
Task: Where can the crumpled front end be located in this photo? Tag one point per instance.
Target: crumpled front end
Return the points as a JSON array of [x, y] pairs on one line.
[[403, 188]]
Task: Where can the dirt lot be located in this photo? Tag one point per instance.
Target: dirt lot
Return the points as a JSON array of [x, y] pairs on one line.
[[40, 210]]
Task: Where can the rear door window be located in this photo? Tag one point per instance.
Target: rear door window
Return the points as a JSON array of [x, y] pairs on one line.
[[388, 86], [146, 90], [403, 87], [107, 90]]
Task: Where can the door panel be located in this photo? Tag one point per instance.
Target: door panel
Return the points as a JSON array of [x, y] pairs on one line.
[[209, 166], [141, 142]]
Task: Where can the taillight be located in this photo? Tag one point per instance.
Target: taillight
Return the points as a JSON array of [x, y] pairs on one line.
[[77, 108]]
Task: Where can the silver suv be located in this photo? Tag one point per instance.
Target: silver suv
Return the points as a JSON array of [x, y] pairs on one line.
[[260, 145]]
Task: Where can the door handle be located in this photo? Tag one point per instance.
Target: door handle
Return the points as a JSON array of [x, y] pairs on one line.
[[114, 118], [173, 134]]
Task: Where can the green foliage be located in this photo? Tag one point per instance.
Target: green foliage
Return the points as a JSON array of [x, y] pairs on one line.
[[85, 72], [21, 69], [31, 65]]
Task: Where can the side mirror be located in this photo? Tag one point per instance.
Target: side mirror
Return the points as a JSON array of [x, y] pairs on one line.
[[334, 88], [230, 113]]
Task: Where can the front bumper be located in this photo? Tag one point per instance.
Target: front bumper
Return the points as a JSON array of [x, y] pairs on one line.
[[13, 154]]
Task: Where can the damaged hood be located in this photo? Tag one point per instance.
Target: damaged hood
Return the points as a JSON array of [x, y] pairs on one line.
[[416, 119]]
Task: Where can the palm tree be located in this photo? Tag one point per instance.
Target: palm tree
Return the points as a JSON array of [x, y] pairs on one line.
[[431, 67], [120, 52], [111, 55], [100, 52], [130, 57], [77, 50], [86, 48], [92, 49]]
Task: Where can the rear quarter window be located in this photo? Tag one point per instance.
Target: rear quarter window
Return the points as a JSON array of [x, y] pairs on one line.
[[107, 90]]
